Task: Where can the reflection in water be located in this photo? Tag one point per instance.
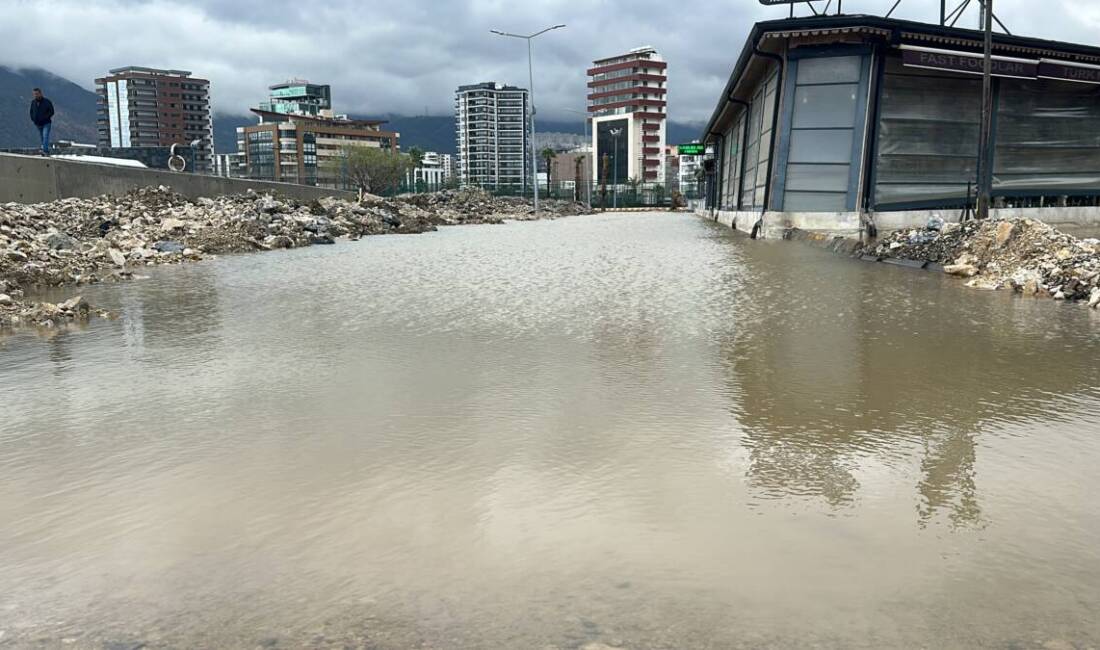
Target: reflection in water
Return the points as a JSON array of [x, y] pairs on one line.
[[829, 370], [635, 429], [948, 483]]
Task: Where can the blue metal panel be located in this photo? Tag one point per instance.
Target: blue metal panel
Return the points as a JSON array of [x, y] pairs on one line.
[[783, 144], [858, 132], [787, 119], [872, 159]]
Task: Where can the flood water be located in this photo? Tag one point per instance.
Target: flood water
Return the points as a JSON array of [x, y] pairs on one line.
[[638, 430]]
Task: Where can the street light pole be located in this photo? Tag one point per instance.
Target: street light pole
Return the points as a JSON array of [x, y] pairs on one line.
[[531, 102], [615, 133], [985, 174]]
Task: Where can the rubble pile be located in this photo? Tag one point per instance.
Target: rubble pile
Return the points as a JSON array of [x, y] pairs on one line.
[[79, 241], [475, 205], [1025, 255], [46, 314]]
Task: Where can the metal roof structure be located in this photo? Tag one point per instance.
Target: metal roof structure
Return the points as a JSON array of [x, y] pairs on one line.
[[894, 32]]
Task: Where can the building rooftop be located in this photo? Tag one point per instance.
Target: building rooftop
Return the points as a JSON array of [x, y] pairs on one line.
[[137, 68], [630, 54], [895, 32], [293, 82], [490, 85], [330, 121]]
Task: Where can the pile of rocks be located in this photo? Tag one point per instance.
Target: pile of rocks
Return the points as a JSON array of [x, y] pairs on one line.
[[79, 241], [475, 205], [45, 314], [1025, 255]]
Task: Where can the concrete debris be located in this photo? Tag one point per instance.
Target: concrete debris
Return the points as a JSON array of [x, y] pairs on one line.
[[48, 314], [80, 241], [963, 270], [1028, 256], [473, 205]]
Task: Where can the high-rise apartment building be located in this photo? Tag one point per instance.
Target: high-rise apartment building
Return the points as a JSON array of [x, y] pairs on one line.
[[447, 161], [627, 106], [494, 135], [296, 143], [147, 107]]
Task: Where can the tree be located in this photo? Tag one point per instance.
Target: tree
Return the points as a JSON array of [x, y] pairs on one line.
[[369, 169], [634, 184], [548, 154]]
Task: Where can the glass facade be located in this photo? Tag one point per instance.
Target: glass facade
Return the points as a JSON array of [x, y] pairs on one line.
[[615, 148], [731, 169], [754, 167], [1047, 139], [823, 121], [927, 135]]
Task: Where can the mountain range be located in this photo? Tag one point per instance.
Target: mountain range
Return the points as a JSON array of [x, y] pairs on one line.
[[434, 132], [76, 115]]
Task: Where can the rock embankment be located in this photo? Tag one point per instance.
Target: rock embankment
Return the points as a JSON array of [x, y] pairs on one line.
[[80, 241], [1024, 255]]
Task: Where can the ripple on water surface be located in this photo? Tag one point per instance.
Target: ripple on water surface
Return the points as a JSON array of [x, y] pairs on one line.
[[620, 428]]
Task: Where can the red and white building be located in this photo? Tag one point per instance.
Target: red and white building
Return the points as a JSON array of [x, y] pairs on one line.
[[628, 109]]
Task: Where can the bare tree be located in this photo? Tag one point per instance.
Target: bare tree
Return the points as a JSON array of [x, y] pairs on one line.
[[370, 169]]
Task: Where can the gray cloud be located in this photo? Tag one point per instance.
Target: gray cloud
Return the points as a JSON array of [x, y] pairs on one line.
[[408, 57]]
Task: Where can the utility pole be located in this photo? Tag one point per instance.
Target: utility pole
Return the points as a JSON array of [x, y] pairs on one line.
[[985, 175], [531, 104]]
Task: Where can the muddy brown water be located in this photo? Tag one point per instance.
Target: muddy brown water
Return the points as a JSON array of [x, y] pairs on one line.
[[635, 430]]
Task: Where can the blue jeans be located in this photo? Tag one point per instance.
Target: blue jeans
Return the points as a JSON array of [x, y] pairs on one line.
[[44, 131]]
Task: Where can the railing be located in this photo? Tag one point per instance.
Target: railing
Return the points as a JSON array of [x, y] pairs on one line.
[[640, 195]]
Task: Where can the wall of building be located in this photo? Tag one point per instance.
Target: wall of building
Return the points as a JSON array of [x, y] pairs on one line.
[[773, 225], [33, 179]]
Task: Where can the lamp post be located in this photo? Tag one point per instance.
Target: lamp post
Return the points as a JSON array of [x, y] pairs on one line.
[[985, 173], [588, 143], [531, 101], [615, 133]]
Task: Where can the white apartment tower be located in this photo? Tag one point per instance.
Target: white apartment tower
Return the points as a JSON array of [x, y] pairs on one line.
[[493, 134], [627, 106]]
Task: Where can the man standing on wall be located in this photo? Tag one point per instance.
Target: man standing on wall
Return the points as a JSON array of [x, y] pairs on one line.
[[42, 116]]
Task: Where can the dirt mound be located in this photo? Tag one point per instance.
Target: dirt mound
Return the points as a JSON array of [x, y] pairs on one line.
[[1025, 255]]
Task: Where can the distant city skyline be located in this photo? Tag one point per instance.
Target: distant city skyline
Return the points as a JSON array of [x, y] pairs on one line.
[[408, 57]]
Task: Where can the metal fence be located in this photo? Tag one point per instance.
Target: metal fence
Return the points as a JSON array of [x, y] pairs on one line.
[[626, 195]]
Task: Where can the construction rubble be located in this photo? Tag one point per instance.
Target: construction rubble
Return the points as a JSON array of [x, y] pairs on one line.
[[107, 238], [1024, 255]]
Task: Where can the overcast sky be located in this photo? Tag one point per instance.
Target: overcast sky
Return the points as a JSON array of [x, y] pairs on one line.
[[407, 56]]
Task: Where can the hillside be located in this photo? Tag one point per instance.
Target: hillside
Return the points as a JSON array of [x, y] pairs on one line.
[[74, 106], [75, 119]]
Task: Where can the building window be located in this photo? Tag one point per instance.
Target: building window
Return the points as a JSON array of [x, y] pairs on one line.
[[822, 130], [758, 148], [927, 136]]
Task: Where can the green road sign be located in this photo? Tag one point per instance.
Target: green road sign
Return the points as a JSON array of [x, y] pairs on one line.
[[691, 149]]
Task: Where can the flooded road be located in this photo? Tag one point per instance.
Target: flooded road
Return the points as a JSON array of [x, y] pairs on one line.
[[636, 430]]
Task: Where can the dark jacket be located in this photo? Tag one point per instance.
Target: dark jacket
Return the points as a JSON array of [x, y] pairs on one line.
[[41, 111]]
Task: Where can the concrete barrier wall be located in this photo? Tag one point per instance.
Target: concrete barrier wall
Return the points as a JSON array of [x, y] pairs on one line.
[[773, 225], [34, 179], [847, 224]]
